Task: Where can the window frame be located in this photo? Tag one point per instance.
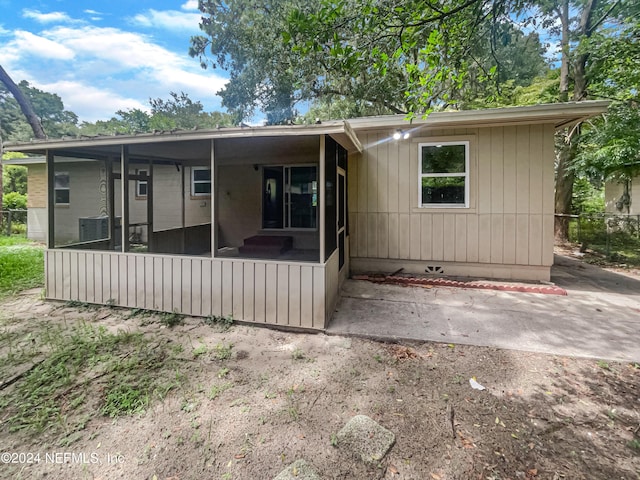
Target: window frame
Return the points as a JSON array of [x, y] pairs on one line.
[[465, 174], [139, 183], [194, 182], [67, 188]]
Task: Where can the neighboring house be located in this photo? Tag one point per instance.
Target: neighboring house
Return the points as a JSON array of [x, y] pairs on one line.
[[621, 198], [264, 223], [81, 198]]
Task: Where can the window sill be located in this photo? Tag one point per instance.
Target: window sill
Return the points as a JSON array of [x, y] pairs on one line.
[[200, 197], [444, 209]]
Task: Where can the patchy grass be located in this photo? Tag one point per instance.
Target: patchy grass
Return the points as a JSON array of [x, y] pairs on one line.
[[85, 369], [21, 265]]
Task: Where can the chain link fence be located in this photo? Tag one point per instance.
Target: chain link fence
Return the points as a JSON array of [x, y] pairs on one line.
[[13, 222], [615, 236]]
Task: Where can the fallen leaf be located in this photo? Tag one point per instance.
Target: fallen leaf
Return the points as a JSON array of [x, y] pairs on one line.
[[239, 455], [393, 470], [435, 476], [533, 472]]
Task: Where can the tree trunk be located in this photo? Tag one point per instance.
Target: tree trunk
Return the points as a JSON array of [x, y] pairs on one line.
[[564, 48], [564, 191], [564, 175], [25, 104], [27, 110]]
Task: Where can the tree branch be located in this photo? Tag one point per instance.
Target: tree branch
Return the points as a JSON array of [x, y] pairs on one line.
[[25, 104], [603, 18]]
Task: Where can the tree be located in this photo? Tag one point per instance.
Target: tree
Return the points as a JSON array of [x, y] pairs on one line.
[[24, 103], [244, 37], [178, 112], [401, 56], [26, 108], [576, 35]]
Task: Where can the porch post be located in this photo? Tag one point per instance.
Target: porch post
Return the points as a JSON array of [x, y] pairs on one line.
[[111, 203], [214, 204], [124, 180], [150, 208], [51, 200], [322, 197], [183, 234]]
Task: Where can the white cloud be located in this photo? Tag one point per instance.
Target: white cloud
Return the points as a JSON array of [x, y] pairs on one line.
[[91, 103], [168, 20], [38, 46], [51, 17], [190, 5], [92, 12], [97, 71]]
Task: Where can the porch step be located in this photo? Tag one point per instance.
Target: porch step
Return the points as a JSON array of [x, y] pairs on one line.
[[266, 245]]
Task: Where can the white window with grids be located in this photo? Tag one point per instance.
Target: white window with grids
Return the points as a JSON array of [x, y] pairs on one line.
[[61, 188], [200, 182], [444, 174]]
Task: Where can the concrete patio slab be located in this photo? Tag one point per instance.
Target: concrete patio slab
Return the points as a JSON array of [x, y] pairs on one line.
[[599, 318]]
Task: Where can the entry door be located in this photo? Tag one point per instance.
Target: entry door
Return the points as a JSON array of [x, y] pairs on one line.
[[342, 215]]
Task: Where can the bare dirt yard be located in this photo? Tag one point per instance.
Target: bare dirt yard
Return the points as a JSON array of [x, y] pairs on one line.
[[106, 393]]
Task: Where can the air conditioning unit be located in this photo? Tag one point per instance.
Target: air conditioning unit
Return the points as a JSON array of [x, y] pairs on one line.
[[95, 228]]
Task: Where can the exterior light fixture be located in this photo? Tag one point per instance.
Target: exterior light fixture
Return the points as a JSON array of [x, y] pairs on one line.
[[398, 134]]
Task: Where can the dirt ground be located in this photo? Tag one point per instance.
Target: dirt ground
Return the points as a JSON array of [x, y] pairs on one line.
[[283, 396]]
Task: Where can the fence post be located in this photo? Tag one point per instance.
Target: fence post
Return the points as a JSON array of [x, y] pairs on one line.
[[8, 223]]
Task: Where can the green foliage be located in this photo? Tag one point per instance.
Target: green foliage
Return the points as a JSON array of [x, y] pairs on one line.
[[49, 107], [610, 148], [178, 112], [14, 179], [222, 351], [14, 201], [21, 265], [587, 198], [381, 56]]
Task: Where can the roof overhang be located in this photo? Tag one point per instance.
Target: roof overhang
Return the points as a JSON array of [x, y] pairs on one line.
[[561, 115], [339, 130]]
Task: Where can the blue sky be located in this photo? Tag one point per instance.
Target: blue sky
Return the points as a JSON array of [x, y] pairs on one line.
[[103, 56]]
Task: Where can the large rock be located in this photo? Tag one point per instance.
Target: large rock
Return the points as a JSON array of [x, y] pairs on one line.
[[298, 470], [366, 439]]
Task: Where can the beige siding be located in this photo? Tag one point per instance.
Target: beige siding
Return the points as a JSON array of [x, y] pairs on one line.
[[510, 215], [278, 293]]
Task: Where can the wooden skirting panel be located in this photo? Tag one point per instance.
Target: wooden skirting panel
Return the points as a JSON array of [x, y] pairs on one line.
[[277, 293]]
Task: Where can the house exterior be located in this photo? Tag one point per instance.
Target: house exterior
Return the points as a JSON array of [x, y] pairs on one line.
[[264, 223], [621, 199]]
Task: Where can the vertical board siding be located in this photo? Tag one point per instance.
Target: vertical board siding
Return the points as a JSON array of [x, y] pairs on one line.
[[383, 235], [279, 293], [394, 236], [497, 170], [237, 290], [511, 184], [383, 174], [271, 293], [282, 306], [260, 290], [306, 296], [294, 295], [248, 307]]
